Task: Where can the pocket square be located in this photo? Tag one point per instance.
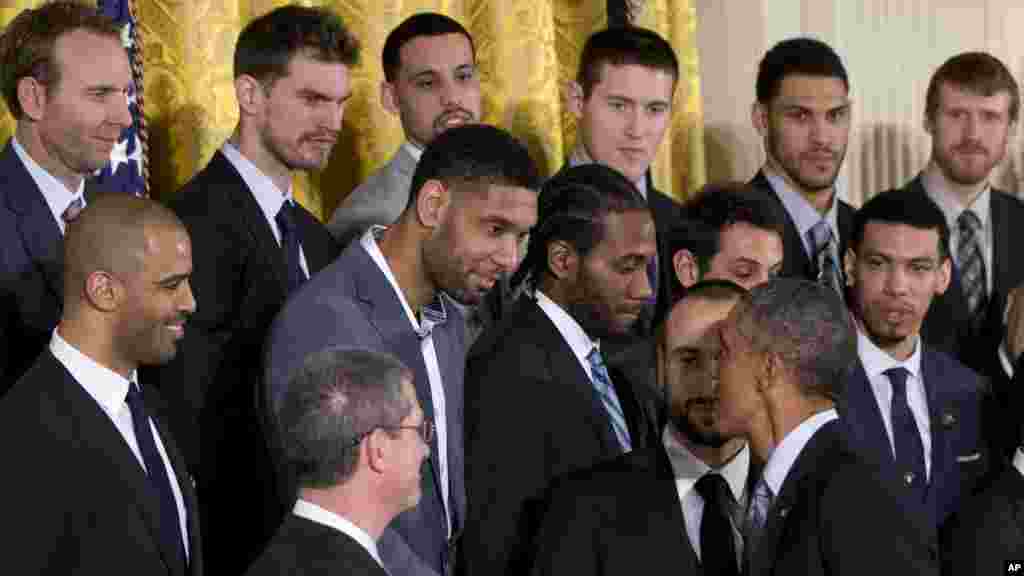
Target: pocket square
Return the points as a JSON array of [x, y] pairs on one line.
[[968, 458]]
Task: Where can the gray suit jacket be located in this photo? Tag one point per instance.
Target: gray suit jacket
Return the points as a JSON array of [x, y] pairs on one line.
[[379, 200], [351, 303]]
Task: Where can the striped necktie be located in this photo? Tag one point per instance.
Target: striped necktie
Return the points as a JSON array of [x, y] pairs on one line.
[[606, 391]]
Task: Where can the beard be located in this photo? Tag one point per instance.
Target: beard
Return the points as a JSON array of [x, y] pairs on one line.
[[698, 435]]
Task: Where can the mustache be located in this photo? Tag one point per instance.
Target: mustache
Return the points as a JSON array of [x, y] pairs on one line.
[[971, 147], [322, 135]]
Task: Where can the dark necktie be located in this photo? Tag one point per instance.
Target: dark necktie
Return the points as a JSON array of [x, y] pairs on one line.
[[72, 211], [973, 276], [906, 438], [290, 244], [170, 526], [717, 545], [823, 242]]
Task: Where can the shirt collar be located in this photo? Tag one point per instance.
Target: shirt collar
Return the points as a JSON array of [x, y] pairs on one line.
[[580, 157], [688, 468], [804, 215], [937, 188], [108, 388], [415, 151], [55, 193], [312, 512], [876, 361], [1018, 460], [571, 331], [431, 315], [267, 195], [786, 452]]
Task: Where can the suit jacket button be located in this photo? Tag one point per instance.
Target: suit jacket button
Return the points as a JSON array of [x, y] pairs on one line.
[[909, 478]]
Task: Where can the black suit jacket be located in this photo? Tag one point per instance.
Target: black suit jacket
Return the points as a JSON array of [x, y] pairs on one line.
[[31, 268], [604, 520], [77, 499], [989, 531], [302, 547], [834, 515], [796, 262], [946, 325], [239, 282], [531, 415]]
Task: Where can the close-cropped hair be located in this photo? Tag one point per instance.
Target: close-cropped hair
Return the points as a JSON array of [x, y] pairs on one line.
[[28, 43], [807, 325], [267, 44], [902, 207], [797, 57], [421, 24], [338, 396], [572, 208], [475, 155], [979, 73], [623, 46]]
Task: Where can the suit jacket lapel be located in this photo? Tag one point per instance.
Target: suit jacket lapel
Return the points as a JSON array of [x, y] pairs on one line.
[[863, 418], [796, 261], [942, 449], [39, 232], [1001, 260], [100, 437], [667, 498]]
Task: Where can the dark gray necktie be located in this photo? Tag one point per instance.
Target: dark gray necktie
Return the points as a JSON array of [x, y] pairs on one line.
[[973, 276], [290, 244]]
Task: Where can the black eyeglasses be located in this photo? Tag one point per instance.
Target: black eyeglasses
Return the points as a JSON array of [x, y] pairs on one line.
[[424, 428]]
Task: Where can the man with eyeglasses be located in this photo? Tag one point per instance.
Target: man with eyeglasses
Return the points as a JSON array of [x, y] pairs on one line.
[[356, 437]]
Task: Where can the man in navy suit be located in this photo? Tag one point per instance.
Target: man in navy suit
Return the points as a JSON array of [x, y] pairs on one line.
[[356, 437], [257, 245], [66, 76], [914, 410], [99, 484], [392, 290]]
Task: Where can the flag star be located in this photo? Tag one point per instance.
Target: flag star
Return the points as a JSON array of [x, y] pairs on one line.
[[119, 155]]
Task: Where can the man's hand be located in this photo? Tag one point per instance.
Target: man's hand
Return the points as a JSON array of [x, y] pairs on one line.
[[1013, 317]]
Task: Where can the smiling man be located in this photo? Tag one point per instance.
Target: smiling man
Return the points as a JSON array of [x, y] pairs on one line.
[[393, 291], [431, 84], [256, 246], [802, 113], [912, 409], [540, 400], [65, 81]]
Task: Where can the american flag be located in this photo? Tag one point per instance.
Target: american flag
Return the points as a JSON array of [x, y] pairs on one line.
[[127, 171]]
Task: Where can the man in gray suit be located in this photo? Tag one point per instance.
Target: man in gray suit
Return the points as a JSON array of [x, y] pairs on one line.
[[391, 291], [431, 84]]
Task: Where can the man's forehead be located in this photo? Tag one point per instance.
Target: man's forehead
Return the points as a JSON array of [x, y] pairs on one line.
[[815, 92], [636, 81], [431, 53], [93, 57], [951, 93], [900, 240], [696, 320]]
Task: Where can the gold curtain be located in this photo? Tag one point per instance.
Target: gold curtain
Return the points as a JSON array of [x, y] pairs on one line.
[[526, 49]]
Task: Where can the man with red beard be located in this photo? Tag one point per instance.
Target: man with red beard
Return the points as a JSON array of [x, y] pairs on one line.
[[540, 398], [972, 107], [803, 114], [256, 245], [915, 411]]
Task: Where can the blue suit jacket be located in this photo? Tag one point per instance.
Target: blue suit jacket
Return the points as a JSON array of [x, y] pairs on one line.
[[960, 451], [351, 303]]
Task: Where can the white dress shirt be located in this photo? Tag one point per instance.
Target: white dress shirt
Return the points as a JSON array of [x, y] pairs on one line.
[[267, 195], [785, 453], [415, 151], [437, 397], [570, 329], [1018, 460], [804, 215], [314, 513], [580, 156], [110, 390], [876, 361], [688, 470], [55, 193], [936, 187]]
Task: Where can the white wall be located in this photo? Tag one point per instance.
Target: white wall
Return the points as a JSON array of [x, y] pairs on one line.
[[890, 48]]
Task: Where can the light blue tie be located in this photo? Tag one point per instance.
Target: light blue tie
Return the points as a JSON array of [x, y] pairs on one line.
[[603, 384]]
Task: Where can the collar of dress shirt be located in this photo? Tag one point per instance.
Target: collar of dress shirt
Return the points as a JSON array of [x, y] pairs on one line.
[[688, 468], [1018, 460], [267, 195], [804, 215], [875, 360], [786, 452], [937, 188], [432, 314], [415, 151], [571, 331], [108, 388], [580, 156], [55, 193], [314, 513]]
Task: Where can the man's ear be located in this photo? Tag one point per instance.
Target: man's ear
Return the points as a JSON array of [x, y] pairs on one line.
[[574, 98], [945, 275], [563, 260], [32, 98], [684, 263], [250, 95], [759, 118], [432, 202], [388, 98], [103, 291]]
